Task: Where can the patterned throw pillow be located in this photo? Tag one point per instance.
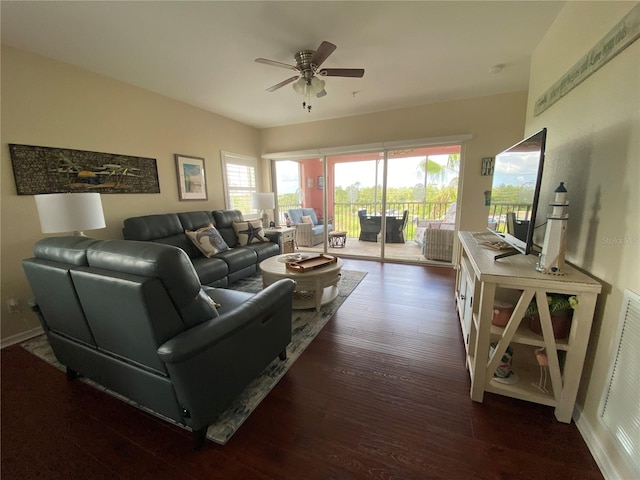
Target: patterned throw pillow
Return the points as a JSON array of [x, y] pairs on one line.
[[249, 232], [208, 240], [307, 219]]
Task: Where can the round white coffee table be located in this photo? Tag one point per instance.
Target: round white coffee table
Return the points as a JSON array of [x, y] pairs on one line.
[[314, 288]]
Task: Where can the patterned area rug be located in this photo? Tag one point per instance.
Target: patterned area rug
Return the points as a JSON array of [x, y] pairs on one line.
[[306, 324]]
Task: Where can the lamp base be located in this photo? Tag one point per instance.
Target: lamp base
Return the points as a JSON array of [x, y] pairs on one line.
[[265, 219]]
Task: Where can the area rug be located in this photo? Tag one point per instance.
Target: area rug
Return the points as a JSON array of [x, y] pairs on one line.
[[306, 324]]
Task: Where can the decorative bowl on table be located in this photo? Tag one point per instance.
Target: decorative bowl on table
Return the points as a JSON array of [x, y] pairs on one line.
[[292, 257]]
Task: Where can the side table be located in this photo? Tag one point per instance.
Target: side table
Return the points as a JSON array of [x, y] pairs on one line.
[[285, 237], [337, 239]]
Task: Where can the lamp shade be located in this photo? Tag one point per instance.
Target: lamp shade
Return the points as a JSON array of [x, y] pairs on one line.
[[300, 86], [70, 212], [263, 201]]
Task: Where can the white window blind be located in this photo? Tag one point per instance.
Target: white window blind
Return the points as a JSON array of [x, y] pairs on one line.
[[240, 181], [620, 407]]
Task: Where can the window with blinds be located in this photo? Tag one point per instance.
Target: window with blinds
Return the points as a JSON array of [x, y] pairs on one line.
[[620, 409], [240, 181]]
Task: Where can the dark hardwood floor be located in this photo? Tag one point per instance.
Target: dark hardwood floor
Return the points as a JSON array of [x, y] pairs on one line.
[[382, 392]]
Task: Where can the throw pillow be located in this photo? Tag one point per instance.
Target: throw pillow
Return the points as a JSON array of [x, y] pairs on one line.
[[249, 232], [208, 240], [307, 219]]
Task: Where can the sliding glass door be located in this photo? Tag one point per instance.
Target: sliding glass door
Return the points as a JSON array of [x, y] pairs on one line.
[[356, 188], [382, 202]]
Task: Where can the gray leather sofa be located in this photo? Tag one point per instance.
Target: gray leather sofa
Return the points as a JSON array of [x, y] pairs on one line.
[[133, 317], [220, 270]]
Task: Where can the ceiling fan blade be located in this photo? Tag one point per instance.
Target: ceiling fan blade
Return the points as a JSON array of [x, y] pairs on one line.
[[276, 64], [283, 83], [342, 72], [324, 50]]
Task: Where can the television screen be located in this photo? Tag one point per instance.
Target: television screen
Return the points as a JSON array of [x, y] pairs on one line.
[[515, 192]]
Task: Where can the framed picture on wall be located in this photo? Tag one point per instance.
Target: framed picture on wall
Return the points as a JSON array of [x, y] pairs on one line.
[[320, 183], [191, 178]]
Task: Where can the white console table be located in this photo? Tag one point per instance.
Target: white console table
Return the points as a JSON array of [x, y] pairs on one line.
[[478, 279]]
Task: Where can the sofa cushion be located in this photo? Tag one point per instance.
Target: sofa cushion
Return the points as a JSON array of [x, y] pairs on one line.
[[224, 223], [169, 264], [211, 271], [264, 250], [311, 213], [49, 276], [318, 229], [208, 240], [163, 228], [296, 214], [196, 220], [152, 226], [238, 258], [249, 232]]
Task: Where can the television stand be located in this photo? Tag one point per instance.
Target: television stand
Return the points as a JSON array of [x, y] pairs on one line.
[[478, 279]]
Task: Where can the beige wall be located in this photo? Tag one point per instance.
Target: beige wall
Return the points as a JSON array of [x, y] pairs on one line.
[[496, 122], [594, 147], [54, 104]]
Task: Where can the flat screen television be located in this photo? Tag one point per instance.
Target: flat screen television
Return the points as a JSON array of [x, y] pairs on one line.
[[515, 192]]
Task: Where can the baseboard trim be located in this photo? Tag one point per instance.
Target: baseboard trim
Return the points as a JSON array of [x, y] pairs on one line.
[[595, 446], [21, 337]]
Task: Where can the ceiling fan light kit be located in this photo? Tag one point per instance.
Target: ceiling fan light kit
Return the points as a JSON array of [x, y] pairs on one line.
[[307, 65], [306, 88]]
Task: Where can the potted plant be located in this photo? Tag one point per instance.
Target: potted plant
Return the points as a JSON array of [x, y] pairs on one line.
[[561, 308]]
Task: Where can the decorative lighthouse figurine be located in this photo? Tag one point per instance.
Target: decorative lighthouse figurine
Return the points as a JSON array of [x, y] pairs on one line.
[[551, 259]]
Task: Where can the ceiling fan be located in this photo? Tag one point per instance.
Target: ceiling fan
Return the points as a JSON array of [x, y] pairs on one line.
[[308, 67]]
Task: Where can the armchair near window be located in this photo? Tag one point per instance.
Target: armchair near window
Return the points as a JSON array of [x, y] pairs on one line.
[[309, 230]]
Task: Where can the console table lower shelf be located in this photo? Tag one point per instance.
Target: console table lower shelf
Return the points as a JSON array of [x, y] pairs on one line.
[[554, 380]]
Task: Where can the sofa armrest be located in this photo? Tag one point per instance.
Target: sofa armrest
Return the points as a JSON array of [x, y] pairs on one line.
[[207, 335], [211, 364], [273, 235]]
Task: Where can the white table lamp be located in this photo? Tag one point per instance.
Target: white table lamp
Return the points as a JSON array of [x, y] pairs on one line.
[[70, 212], [264, 202]]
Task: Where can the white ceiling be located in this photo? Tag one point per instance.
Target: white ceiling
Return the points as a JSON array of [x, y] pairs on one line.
[[202, 53]]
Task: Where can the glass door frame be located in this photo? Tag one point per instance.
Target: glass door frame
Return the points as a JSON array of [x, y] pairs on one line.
[[384, 148]]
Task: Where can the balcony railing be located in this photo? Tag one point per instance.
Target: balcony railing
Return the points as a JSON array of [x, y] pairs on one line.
[[345, 215], [498, 214]]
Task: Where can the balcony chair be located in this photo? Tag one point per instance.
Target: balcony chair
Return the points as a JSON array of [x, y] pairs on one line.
[[309, 230], [369, 226], [436, 236], [396, 227]]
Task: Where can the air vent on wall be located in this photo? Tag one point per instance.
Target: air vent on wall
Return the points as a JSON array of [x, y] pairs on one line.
[[620, 409]]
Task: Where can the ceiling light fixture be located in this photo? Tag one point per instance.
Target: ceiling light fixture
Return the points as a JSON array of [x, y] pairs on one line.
[[307, 87]]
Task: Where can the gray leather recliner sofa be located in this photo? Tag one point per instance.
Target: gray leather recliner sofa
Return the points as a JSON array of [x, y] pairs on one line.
[[133, 317], [222, 269]]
